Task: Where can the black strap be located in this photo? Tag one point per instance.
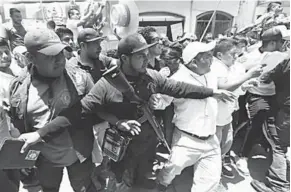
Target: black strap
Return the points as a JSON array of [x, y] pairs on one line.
[[196, 136]]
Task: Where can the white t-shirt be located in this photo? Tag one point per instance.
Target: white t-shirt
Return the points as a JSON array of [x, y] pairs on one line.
[[224, 73]]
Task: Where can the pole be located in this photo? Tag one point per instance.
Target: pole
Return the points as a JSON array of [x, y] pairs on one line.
[[191, 15], [212, 16]]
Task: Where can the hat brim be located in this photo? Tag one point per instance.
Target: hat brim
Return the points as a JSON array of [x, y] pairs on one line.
[[55, 49], [144, 47], [207, 47], [134, 20], [96, 39]]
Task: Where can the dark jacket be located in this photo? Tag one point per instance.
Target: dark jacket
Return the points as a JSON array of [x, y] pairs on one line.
[[78, 84], [281, 77]]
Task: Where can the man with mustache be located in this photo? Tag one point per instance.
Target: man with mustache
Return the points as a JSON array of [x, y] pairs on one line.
[[37, 97]]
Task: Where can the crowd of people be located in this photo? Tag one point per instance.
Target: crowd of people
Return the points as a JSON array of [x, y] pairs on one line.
[[187, 98]]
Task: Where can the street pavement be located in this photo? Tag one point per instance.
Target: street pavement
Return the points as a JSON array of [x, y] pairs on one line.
[[257, 166]]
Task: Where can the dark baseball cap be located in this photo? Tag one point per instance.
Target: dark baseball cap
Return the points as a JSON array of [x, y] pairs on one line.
[[89, 35], [276, 33], [44, 41], [132, 44]]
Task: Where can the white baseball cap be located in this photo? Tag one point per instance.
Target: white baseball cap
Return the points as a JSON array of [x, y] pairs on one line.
[[192, 50], [19, 50]]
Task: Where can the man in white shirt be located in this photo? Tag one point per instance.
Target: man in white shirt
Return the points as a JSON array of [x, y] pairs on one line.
[[229, 78], [194, 140]]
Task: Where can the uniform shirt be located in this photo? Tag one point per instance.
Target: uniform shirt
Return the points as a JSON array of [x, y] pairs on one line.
[[226, 74], [44, 103], [253, 59], [196, 116], [15, 34]]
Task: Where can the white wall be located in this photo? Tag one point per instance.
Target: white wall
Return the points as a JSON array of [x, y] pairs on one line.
[[184, 8], [246, 13]]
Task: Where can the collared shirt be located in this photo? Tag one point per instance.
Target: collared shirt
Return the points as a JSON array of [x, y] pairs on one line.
[[226, 74], [44, 103], [196, 116], [15, 34]]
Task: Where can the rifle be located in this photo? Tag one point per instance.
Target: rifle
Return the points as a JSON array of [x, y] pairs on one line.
[[117, 79]]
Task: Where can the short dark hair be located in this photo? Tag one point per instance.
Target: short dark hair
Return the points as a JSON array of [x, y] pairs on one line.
[[3, 42], [266, 42], [51, 24], [146, 33], [72, 9], [224, 45], [13, 10], [62, 31], [174, 50]]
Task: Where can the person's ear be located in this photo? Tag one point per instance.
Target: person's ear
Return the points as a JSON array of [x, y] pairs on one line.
[[29, 57], [124, 58], [219, 55], [82, 45]]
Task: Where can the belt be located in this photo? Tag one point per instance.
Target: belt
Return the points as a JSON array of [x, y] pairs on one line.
[[196, 136]]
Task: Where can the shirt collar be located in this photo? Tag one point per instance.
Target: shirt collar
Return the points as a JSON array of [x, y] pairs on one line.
[[218, 61], [193, 74], [80, 63]]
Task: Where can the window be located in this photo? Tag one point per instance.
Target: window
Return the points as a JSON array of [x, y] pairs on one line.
[[221, 22]]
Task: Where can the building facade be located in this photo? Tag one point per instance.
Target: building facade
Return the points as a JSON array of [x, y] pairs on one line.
[[171, 18]]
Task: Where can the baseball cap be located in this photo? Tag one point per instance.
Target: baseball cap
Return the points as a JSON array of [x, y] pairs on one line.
[[89, 35], [44, 41], [19, 50], [194, 48], [276, 33], [132, 44]]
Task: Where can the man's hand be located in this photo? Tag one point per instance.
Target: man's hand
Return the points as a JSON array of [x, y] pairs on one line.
[[165, 71], [255, 71], [131, 126], [224, 95], [29, 139], [250, 84], [154, 101]]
